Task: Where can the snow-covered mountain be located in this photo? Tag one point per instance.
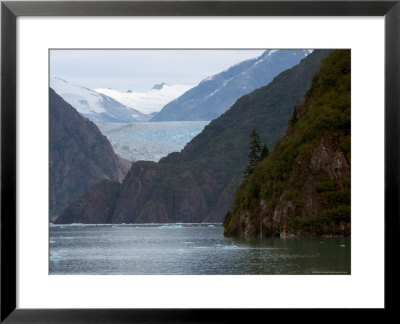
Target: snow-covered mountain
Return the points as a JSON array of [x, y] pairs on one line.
[[150, 101], [96, 106], [216, 94]]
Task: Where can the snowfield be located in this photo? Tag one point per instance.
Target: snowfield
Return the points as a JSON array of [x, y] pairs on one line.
[[96, 106], [150, 101]]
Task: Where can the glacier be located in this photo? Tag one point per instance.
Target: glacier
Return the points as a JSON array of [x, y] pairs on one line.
[[150, 141]]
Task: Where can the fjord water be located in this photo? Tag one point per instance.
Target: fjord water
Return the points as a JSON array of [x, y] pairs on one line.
[[188, 249]]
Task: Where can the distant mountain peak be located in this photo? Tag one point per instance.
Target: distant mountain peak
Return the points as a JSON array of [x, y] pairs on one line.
[[267, 53], [150, 101], [159, 86], [217, 93]]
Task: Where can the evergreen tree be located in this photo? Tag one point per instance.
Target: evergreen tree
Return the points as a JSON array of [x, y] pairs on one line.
[[264, 152], [255, 152], [293, 119]]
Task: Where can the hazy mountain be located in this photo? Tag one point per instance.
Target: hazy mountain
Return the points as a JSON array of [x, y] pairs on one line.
[[217, 93], [96, 106]]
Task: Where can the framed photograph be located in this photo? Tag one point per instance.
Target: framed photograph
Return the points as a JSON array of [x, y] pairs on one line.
[[195, 160]]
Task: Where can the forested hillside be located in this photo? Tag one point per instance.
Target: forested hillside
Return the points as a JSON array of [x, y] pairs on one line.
[[303, 186]]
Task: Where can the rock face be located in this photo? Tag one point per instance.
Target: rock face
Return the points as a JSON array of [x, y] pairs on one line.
[[303, 187], [80, 156], [198, 184], [95, 204], [216, 94]]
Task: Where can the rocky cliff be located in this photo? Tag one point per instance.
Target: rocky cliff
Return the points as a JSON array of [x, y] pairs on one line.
[[198, 184], [80, 156], [303, 187], [94, 206]]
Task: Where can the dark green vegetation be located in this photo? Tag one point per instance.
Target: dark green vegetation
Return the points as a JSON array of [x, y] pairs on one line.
[[257, 154], [198, 184], [80, 156], [303, 187]]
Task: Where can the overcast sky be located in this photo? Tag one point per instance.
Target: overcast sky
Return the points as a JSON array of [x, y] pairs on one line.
[[139, 70]]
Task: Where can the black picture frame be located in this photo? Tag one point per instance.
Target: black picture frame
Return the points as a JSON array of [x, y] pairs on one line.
[[10, 10]]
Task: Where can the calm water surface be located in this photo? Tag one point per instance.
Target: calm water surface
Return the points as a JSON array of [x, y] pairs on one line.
[[193, 249]]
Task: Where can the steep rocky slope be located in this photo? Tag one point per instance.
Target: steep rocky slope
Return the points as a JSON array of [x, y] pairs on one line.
[[80, 156], [94, 206], [303, 187], [198, 184]]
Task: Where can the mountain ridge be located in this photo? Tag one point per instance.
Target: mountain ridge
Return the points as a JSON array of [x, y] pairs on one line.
[[198, 184], [303, 187], [216, 94], [79, 155]]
